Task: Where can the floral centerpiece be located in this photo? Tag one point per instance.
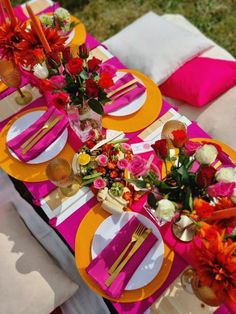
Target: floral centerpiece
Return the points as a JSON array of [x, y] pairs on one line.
[[192, 185], [77, 84], [114, 174], [214, 251]]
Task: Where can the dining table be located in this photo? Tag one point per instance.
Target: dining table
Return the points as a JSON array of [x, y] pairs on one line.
[[76, 219]]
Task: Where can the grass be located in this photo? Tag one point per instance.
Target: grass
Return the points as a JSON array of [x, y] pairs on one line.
[[104, 18]]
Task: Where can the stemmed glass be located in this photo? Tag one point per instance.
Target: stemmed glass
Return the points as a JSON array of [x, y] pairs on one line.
[[60, 173], [11, 76]]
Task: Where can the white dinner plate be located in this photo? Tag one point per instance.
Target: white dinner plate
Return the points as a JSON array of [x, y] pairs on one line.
[[134, 105], [150, 265], [23, 123]]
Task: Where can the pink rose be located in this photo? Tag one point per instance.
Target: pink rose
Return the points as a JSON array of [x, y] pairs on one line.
[[122, 164], [138, 166], [191, 147], [221, 189], [99, 183], [102, 160], [107, 68], [58, 81], [126, 147]]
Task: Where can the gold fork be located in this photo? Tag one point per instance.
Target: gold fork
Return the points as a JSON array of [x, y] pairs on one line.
[[136, 246], [122, 93], [135, 236], [45, 126], [121, 87]]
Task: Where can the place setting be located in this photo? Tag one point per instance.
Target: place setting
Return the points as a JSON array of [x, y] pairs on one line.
[[118, 251]]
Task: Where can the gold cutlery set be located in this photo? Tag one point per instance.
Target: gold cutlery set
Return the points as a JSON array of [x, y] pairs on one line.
[[36, 137], [138, 237], [122, 90]]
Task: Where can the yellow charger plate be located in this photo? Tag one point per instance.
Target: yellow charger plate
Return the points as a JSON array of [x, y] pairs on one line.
[[84, 237], [20, 170], [144, 116]]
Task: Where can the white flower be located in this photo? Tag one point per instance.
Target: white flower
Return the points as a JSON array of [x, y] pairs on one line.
[[233, 197], [165, 209], [46, 20], [206, 154], [41, 71], [62, 14], [226, 174]]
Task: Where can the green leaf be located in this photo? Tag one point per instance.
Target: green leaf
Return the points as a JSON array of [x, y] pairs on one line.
[[184, 173], [96, 106], [152, 202], [139, 183], [84, 75]]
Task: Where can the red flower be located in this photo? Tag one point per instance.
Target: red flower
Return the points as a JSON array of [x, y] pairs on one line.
[[75, 65], [179, 138], [105, 80], [91, 88], [93, 64], [203, 208], [66, 53], [46, 85], [205, 176], [160, 148], [83, 51], [60, 99]]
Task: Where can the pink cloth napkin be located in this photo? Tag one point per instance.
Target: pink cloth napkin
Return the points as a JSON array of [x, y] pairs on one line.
[[15, 143], [98, 268], [126, 98]]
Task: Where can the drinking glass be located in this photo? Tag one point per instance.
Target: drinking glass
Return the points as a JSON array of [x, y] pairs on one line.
[[60, 173], [11, 76], [169, 127]]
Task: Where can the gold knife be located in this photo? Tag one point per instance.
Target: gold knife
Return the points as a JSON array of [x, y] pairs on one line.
[[136, 246], [121, 87], [44, 132]]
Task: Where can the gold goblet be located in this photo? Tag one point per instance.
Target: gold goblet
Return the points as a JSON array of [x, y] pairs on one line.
[[169, 127], [60, 173], [11, 76]]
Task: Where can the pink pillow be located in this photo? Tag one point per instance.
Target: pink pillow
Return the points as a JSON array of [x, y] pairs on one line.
[[200, 81]]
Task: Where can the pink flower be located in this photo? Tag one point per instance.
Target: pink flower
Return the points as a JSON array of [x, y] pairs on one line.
[[138, 166], [122, 164], [102, 160], [58, 81], [99, 183], [191, 147], [221, 189], [93, 134], [126, 147], [107, 68]]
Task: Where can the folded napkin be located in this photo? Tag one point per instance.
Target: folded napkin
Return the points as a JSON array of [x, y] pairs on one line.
[[98, 268], [15, 143], [126, 98]]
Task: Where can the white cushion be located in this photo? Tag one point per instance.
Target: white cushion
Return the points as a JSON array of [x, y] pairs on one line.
[[30, 281], [155, 46]]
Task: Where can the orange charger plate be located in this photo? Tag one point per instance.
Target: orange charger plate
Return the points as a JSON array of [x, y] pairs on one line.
[[84, 237], [23, 171], [144, 116]]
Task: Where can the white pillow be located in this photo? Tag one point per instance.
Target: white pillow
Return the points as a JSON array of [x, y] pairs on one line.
[[30, 281], [155, 46]]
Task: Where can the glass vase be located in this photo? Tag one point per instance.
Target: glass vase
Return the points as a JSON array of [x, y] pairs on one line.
[[83, 120]]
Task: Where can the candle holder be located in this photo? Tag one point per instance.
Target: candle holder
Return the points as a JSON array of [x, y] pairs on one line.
[[184, 229]]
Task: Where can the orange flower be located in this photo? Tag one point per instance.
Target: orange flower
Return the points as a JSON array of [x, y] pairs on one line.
[[216, 263], [203, 208]]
